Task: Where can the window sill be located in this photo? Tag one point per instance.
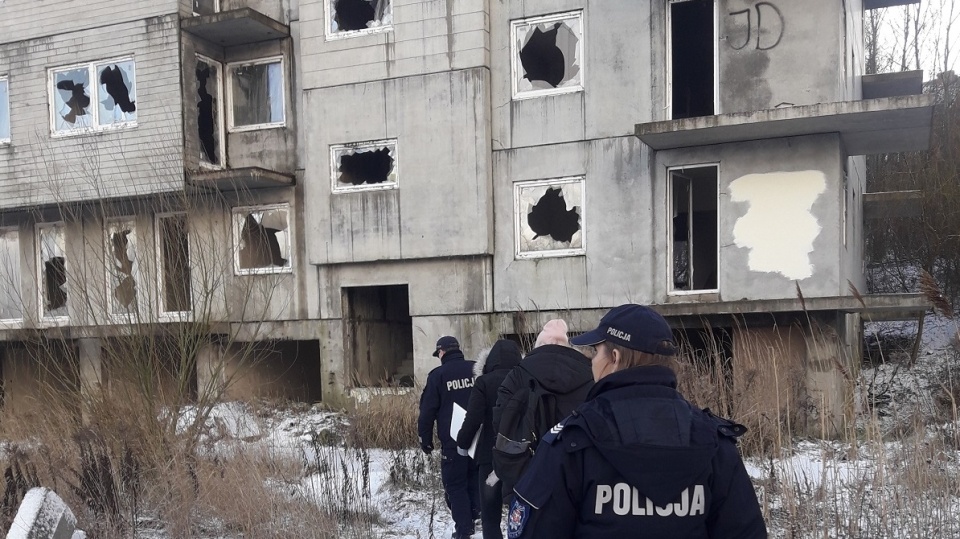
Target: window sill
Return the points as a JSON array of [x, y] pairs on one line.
[[533, 94], [261, 271], [338, 35], [84, 131], [257, 127]]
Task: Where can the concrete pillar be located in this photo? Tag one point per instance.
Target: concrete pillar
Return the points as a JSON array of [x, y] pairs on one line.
[[90, 355], [211, 371], [830, 382]]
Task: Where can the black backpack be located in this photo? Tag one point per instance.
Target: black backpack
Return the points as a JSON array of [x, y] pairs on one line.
[[526, 416]]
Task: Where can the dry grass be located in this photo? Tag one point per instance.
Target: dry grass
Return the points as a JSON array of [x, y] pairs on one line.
[[387, 421]]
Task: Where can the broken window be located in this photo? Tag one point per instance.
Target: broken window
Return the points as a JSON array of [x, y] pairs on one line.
[[4, 110], [262, 239], [364, 166], [209, 112], [353, 17], [94, 96], [692, 58], [205, 7], [549, 217], [693, 228], [53, 270], [174, 245], [256, 94], [122, 267], [11, 303], [547, 55]]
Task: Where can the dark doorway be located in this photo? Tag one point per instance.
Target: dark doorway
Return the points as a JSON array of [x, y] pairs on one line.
[[378, 336], [694, 228], [693, 55]]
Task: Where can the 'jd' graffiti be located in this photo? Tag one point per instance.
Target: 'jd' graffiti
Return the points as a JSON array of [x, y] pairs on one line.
[[769, 27]]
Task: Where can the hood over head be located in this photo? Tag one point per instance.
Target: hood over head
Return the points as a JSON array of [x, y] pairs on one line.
[[505, 354]]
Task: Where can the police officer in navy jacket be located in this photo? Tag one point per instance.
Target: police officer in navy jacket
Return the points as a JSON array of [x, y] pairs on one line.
[[636, 459], [447, 387]]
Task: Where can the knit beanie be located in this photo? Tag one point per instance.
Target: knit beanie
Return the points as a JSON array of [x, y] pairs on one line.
[[554, 332]]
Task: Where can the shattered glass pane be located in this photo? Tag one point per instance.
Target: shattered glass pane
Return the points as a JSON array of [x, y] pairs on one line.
[[117, 92], [175, 257], [550, 217], [264, 239], [71, 99], [53, 265], [4, 110], [549, 54], [123, 267], [353, 15], [257, 91], [208, 111], [367, 164], [11, 303], [204, 7]]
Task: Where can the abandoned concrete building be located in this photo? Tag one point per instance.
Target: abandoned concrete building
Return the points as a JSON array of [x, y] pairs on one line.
[[333, 184]]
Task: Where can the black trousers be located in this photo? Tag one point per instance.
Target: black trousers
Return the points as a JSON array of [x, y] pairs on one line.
[[491, 504], [460, 488]]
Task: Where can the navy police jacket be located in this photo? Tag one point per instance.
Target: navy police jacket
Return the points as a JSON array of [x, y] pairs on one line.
[[448, 384], [637, 460]]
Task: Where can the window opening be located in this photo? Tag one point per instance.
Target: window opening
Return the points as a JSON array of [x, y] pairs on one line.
[[352, 17], [205, 7], [694, 193], [378, 335], [693, 57], [209, 111], [256, 94], [4, 110], [549, 217], [122, 267], [175, 263], [547, 55], [94, 96], [11, 303], [364, 165], [263, 239], [53, 268]]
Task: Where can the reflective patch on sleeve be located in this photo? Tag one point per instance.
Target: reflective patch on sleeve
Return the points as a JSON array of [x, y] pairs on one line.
[[517, 518]]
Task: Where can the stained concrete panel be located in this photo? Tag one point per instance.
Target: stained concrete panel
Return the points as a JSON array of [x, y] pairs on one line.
[[441, 206]]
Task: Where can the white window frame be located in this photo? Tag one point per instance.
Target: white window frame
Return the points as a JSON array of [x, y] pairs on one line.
[[14, 322], [515, 66], [669, 56], [237, 231], [520, 214], [5, 109], [670, 289], [216, 8], [161, 260], [345, 34], [94, 93], [136, 274], [221, 119], [228, 81], [365, 146], [41, 305]]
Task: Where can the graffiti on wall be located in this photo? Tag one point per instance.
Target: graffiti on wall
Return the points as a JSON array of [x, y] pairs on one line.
[[761, 27]]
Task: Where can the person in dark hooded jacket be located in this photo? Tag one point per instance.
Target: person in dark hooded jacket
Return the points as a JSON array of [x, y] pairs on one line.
[[559, 370], [636, 459], [490, 372]]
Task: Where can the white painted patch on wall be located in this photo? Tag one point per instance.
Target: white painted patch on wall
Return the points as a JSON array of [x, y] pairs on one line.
[[779, 228]]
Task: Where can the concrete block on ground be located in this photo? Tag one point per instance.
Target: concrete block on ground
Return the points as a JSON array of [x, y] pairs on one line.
[[43, 515]]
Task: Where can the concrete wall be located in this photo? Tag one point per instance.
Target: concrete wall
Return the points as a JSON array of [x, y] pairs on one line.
[[442, 204], [29, 19], [778, 53], [427, 36], [37, 168]]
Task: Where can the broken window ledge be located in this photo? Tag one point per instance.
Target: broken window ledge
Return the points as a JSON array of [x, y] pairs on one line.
[[559, 253], [347, 34], [367, 187], [255, 127], [709, 294], [519, 95], [866, 127], [94, 130], [276, 270], [175, 316]]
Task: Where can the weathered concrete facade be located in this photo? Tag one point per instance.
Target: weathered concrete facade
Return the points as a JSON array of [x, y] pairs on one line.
[[343, 182]]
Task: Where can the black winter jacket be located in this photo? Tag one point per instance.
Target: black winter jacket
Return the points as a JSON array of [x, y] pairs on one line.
[[447, 385], [637, 458], [561, 370], [490, 372]]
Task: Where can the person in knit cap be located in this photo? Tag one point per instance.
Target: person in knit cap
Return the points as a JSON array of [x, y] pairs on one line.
[[490, 372], [554, 375]]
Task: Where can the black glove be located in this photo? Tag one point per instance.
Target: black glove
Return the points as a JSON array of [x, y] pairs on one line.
[[426, 448]]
